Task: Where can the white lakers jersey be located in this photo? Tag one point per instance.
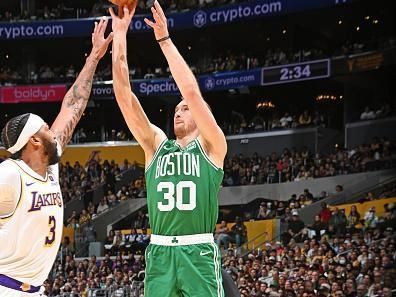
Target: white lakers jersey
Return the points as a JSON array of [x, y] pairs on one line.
[[31, 235]]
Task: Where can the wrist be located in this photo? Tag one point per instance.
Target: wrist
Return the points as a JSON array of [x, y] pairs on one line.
[[164, 41], [166, 37], [94, 56]]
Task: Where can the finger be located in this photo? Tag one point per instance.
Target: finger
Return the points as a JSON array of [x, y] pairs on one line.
[[127, 13], [113, 16], [150, 23], [109, 38], [95, 28], [156, 16], [104, 25], [100, 25], [132, 12], [161, 13]]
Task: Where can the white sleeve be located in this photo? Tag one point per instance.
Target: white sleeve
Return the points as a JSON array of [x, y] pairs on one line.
[[10, 190]]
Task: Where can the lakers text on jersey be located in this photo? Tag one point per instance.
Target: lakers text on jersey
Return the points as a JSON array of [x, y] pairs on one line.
[[33, 232]]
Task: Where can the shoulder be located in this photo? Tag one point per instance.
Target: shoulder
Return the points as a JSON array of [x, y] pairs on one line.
[[213, 152], [9, 172]]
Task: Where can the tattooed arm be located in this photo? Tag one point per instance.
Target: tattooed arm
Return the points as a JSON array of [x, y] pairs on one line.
[[76, 98]]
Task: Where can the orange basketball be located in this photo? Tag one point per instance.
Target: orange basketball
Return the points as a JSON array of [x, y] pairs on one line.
[[131, 4]]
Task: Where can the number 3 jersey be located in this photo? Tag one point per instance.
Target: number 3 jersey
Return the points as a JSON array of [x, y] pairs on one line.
[[182, 190], [30, 236]]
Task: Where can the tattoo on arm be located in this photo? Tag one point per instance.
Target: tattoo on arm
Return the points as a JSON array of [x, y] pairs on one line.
[[76, 100]]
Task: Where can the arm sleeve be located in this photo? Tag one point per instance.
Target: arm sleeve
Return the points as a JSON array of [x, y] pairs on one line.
[[10, 190]]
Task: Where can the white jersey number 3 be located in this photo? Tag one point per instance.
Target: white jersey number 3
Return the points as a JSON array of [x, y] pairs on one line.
[[168, 189]]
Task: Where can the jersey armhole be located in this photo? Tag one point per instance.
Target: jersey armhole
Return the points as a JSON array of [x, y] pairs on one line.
[[206, 156], [155, 154]]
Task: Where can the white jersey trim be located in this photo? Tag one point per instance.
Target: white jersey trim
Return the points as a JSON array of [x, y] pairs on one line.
[[156, 154]]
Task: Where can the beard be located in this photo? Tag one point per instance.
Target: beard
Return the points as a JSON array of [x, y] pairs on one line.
[[51, 151]]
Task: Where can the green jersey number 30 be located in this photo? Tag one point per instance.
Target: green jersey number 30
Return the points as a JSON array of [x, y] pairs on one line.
[[169, 190]]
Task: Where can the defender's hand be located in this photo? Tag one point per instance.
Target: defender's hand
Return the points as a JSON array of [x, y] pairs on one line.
[[160, 26], [99, 43]]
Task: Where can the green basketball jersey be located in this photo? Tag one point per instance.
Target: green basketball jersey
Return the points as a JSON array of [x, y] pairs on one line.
[[182, 188]]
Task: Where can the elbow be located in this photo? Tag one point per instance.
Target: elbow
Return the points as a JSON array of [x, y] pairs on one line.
[[191, 92]]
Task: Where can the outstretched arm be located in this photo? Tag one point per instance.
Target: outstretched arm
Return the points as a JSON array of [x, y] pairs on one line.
[[213, 137], [76, 98], [148, 135]]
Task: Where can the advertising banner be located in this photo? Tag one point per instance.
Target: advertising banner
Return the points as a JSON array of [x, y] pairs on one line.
[[190, 19], [36, 93]]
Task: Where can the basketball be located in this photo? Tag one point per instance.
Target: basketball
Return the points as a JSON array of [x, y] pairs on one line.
[[131, 4]]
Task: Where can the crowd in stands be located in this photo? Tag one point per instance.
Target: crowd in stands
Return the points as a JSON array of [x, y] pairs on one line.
[[383, 111], [339, 261], [60, 10], [82, 135], [67, 73], [238, 124], [135, 189], [227, 61], [295, 165], [77, 180], [339, 255]]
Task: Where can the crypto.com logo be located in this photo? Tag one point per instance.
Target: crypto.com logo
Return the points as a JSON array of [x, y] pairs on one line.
[[199, 19], [209, 83]]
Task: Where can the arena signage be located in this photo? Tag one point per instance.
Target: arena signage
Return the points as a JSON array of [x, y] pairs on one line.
[[33, 93], [191, 19], [167, 86], [230, 80]]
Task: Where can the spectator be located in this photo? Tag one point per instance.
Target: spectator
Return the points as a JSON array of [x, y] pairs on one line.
[[102, 207], [286, 120], [222, 236], [325, 213], [353, 219], [338, 221], [295, 228], [67, 246], [305, 119], [339, 189], [367, 114], [239, 232], [264, 212], [370, 218], [317, 228], [84, 217]]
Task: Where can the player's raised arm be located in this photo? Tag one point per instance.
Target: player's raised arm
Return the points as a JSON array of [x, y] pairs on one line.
[[76, 98], [214, 139], [148, 135]]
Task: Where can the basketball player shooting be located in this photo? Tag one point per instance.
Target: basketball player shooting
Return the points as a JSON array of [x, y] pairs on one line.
[[31, 206], [183, 176]]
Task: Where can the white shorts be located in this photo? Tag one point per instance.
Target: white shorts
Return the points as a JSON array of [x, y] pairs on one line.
[[7, 292]]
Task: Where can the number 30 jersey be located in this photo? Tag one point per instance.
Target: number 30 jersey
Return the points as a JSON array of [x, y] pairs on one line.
[[30, 236], [182, 190]]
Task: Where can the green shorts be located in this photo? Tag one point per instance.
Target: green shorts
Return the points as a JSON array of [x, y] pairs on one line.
[[183, 271]]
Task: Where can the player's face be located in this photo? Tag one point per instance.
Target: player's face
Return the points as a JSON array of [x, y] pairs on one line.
[[49, 144], [183, 122]]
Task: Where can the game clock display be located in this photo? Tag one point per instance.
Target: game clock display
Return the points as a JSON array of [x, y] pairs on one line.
[[296, 72]]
